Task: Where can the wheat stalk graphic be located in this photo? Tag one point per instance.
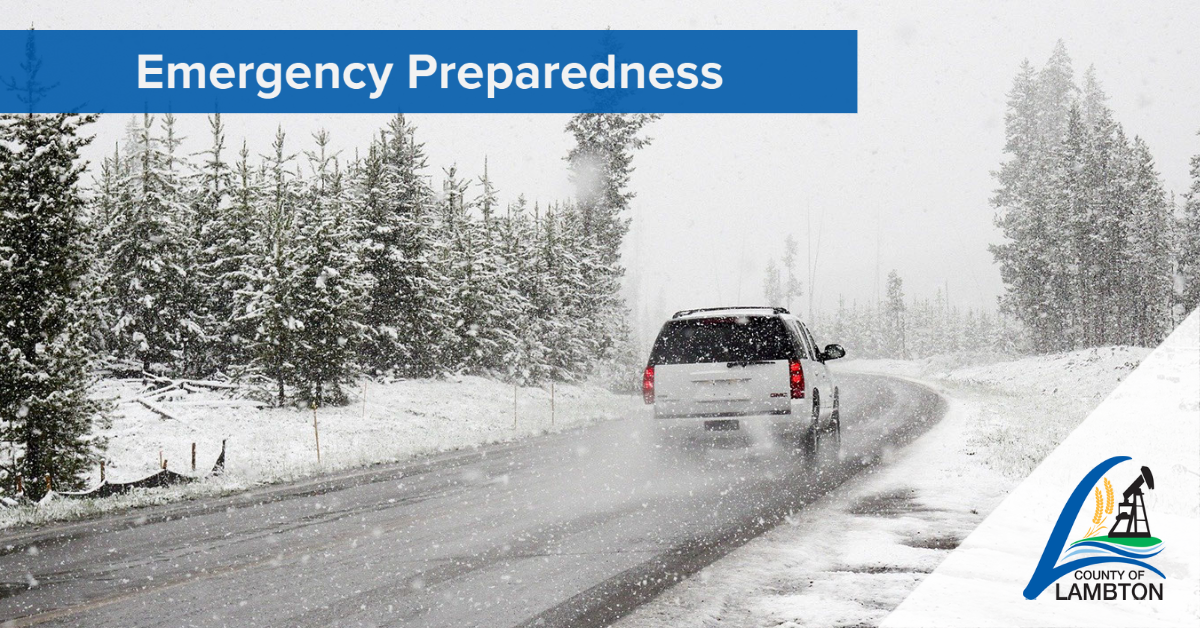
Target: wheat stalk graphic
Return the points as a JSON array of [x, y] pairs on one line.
[[1104, 507]]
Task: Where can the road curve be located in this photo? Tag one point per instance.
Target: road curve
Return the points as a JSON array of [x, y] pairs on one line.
[[573, 529]]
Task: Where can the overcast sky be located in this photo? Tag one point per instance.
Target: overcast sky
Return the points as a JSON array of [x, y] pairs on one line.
[[907, 177]]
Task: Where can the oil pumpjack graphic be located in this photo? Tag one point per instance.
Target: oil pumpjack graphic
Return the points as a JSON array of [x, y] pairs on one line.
[[1131, 512]]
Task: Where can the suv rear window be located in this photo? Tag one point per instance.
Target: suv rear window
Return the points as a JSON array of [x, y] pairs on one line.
[[740, 339]]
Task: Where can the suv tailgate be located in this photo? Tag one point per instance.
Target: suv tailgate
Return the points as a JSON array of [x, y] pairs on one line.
[[722, 389]]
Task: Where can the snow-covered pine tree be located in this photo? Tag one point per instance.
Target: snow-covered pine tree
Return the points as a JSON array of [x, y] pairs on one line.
[[481, 262], [921, 331], [269, 302], [773, 284], [541, 325], [329, 292], [148, 282], [1067, 211], [1147, 260], [839, 328], [972, 338], [234, 269], [791, 282], [106, 205], [523, 354], [1018, 215], [221, 231], [46, 413], [570, 268], [1098, 221], [487, 200], [601, 163], [1188, 243], [1035, 123], [894, 319], [109, 199], [1054, 194], [194, 337], [560, 297], [1087, 252], [406, 307], [461, 261]]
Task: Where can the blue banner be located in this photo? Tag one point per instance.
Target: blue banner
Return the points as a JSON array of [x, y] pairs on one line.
[[429, 71]]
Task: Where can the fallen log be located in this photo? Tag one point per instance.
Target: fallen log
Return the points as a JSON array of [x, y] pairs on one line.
[[232, 403], [157, 393], [156, 409], [206, 383]]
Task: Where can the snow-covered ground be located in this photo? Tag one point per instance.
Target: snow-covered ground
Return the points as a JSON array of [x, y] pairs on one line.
[[852, 557], [385, 422], [1151, 421]]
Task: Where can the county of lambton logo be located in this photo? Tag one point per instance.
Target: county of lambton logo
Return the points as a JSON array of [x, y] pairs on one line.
[[1123, 539]]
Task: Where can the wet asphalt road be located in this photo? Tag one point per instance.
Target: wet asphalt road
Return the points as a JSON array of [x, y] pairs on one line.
[[573, 529]]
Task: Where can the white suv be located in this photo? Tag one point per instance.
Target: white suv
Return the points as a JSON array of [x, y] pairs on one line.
[[756, 370]]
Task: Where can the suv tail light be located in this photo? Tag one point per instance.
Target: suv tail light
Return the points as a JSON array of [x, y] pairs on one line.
[[648, 384], [796, 376]]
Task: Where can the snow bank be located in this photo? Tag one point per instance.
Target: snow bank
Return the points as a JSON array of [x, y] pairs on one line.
[[382, 423], [1026, 406], [852, 557], [1153, 417]]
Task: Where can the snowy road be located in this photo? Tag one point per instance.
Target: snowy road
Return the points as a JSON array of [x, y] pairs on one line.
[[571, 529]]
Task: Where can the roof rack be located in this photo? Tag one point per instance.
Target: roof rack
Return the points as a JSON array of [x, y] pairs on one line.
[[777, 310]]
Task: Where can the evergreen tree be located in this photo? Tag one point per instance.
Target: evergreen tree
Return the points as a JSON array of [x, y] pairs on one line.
[[1020, 209], [221, 232], [270, 302], [148, 281], [406, 306], [1086, 257], [46, 413], [773, 284], [601, 163], [1149, 276], [1188, 243], [563, 297], [521, 351], [894, 319], [481, 261], [791, 283], [233, 269], [329, 290]]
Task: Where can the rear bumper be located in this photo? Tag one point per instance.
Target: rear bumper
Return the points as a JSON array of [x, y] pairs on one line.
[[796, 411], [748, 426]]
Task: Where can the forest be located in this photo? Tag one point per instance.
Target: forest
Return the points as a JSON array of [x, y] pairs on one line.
[[291, 271], [1094, 250]]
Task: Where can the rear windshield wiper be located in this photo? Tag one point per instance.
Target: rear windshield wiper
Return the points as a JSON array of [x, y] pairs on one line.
[[746, 363]]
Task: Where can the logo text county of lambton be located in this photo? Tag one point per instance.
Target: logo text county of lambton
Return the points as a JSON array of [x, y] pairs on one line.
[[1128, 540]]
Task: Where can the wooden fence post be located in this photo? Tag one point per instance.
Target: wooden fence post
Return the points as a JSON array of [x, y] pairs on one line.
[[316, 432], [193, 457], [49, 487], [102, 472], [20, 485]]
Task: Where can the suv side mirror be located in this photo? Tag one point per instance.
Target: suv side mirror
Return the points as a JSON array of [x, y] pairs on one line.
[[833, 352]]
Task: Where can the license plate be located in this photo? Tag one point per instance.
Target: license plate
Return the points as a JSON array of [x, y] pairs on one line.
[[722, 426]]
